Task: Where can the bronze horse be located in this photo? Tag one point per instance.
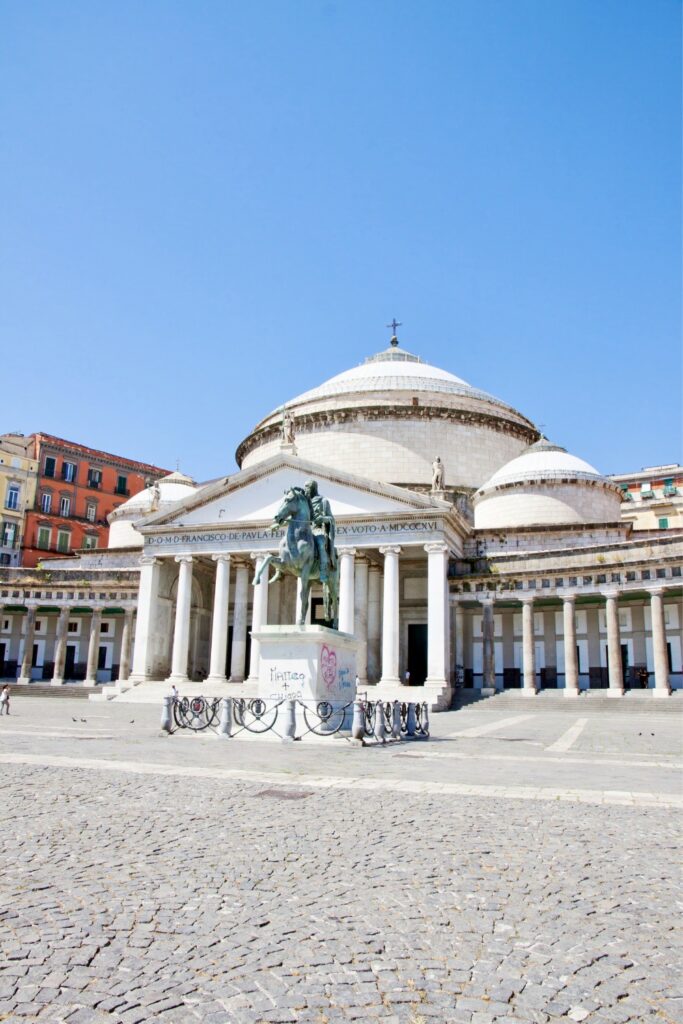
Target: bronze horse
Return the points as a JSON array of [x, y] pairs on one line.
[[297, 556]]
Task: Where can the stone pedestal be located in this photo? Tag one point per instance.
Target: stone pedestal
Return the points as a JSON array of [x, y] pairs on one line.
[[311, 663]]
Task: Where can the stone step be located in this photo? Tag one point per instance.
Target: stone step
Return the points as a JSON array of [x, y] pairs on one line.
[[636, 702], [45, 690]]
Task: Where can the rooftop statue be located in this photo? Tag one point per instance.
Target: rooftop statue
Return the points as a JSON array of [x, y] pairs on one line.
[[307, 550]]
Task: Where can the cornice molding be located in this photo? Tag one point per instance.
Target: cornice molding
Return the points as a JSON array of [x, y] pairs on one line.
[[310, 422]]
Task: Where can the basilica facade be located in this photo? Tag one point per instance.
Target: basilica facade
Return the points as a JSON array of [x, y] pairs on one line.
[[473, 552]]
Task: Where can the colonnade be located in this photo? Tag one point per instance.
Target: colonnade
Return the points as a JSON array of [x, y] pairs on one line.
[[62, 637], [369, 602], [662, 685]]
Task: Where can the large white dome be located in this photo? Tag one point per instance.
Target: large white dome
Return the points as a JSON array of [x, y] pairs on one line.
[[544, 486], [389, 418]]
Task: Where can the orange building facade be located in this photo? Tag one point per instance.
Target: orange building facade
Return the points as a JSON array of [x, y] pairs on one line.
[[77, 488]]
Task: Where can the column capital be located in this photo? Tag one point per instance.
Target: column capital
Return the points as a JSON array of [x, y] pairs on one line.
[[183, 558], [571, 598], [526, 598], [613, 592], [255, 555], [220, 558], [436, 547], [346, 551], [150, 560], [656, 591], [31, 606], [390, 549], [485, 598]]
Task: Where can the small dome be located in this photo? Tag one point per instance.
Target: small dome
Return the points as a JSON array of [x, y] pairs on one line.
[[545, 486], [157, 498], [540, 461]]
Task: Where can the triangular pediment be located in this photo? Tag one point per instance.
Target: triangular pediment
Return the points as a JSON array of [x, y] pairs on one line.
[[253, 495]]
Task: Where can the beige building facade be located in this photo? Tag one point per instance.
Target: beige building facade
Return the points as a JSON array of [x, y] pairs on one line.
[[507, 564], [18, 478]]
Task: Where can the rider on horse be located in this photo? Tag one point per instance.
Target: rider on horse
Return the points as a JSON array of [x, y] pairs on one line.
[[323, 528]]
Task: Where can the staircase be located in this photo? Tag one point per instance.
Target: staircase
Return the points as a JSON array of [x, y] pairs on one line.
[[39, 690], [637, 702]]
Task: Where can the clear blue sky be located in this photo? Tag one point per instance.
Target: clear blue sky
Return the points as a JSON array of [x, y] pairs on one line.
[[209, 207]]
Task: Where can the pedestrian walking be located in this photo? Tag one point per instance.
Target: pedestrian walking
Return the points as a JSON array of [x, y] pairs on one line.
[[4, 700], [174, 692]]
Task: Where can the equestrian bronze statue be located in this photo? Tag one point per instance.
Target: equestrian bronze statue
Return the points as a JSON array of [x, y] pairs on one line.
[[307, 550]]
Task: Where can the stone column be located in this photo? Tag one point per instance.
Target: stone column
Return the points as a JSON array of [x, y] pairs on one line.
[[528, 648], [148, 596], [488, 687], [27, 659], [238, 654], [460, 640], [60, 647], [390, 618], [662, 686], [374, 623], [437, 615], [614, 666], [126, 644], [219, 627], [360, 617], [181, 631], [93, 647], [259, 615], [346, 589], [571, 664]]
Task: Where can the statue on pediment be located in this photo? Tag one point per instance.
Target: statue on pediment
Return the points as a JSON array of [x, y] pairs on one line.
[[437, 474]]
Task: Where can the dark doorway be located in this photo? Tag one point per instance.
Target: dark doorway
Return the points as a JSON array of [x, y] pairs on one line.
[[101, 659], [3, 658], [417, 653], [69, 661]]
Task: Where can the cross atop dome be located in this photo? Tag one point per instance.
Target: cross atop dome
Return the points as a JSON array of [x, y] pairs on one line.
[[393, 325]]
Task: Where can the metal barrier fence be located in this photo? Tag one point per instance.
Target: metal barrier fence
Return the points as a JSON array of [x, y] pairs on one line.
[[294, 719]]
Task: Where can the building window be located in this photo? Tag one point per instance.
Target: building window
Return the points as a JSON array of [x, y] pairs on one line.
[[4, 559], [63, 540], [661, 574], [645, 574], [630, 576], [89, 542], [68, 471], [44, 538], [676, 570], [95, 478], [50, 466], [663, 524], [74, 626], [646, 490], [46, 503], [90, 511], [669, 488], [65, 506], [12, 499], [122, 485], [9, 532]]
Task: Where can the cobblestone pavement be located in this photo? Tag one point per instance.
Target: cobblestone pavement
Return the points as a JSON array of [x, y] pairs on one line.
[[131, 897]]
